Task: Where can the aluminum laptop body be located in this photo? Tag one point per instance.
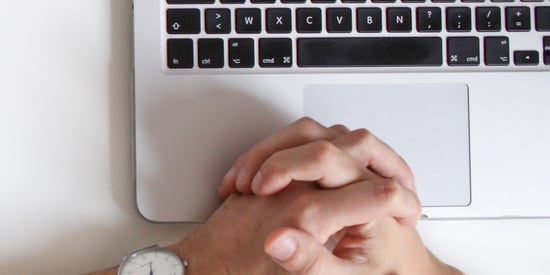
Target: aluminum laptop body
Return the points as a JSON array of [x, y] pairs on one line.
[[468, 109]]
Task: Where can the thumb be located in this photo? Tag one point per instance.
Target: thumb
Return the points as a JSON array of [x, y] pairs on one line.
[[299, 253]]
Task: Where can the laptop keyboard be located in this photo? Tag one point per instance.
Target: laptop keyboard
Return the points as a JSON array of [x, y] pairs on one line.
[[356, 35]]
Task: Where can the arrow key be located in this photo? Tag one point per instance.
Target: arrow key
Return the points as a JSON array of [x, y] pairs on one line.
[[522, 58]]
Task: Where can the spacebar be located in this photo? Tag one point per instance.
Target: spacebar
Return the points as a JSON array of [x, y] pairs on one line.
[[363, 51]]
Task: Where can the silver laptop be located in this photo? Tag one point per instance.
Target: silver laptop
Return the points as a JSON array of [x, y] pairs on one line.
[[461, 89]]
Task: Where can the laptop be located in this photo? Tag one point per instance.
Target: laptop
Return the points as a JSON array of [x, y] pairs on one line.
[[459, 88]]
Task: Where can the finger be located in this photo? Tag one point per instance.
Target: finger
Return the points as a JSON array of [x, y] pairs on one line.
[[376, 155], [319, 161], [340, 129], [329, 211], [299, 253], [302, 131]]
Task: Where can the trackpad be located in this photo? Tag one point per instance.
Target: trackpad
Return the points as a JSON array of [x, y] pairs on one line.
[[427, 124]]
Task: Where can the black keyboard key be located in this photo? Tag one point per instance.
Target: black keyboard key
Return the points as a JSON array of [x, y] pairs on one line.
[[293, 1], [323, 1], [218, 21], [241, 52], [526, 58], [399, 19], [459, 19], [354, 1], [190, 1], [338, 20], [497, 51], [383, 1], [278, 20], [488, 19], [275, 52], [232, 1], [428, 19], [369, 20], [369, 51], [262, 1], [518, 19], [462, 51], [248, 20], [308, 20], [443, 1], [413, 1], [180, 53], [546, 49], [542, 17], [183, 21], [210, 53]]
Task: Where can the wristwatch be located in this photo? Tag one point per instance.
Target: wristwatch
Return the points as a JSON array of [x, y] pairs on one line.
[[152, 260]]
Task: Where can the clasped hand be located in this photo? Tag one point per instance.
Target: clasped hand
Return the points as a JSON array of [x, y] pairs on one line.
[[314, 200]]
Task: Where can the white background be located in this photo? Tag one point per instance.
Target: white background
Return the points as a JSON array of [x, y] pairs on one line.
[[66, 195]]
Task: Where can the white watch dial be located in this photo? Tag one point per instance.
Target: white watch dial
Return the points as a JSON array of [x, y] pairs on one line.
[[152, 261]]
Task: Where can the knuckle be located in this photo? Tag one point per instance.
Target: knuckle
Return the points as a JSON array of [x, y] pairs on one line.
[[363, 135], [391, 193], [323, 151], [388, 192], [341, 129], [312, 266], [308, 211], [309, 127]]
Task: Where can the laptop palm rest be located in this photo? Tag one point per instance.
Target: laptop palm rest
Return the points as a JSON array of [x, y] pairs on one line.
[[427, 124]]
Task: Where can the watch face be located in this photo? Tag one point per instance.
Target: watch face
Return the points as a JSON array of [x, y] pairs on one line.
[[152, 261]]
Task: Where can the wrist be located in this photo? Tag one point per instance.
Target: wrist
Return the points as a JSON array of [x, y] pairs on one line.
[[199, 253]]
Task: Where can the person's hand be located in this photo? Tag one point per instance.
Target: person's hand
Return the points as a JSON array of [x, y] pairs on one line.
[[360, 144], [357, 197], [232, 241], [379, 247]]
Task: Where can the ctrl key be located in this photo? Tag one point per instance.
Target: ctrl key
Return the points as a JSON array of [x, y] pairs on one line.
[[180, 53]]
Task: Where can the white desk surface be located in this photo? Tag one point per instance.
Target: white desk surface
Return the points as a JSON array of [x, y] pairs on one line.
[[66, 195]]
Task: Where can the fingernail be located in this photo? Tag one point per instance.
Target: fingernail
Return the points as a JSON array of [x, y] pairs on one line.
[[283, 248], [230, 175], [257, 182]]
